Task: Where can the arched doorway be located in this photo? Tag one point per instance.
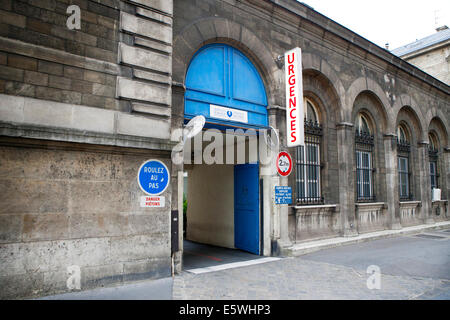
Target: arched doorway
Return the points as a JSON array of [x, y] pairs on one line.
[[223, 200]]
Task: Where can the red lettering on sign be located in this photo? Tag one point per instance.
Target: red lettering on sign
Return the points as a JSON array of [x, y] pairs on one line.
[[293, 116], [290, 69], [292, 80], [293, 58], [293, 125], [293, 102], [294, 138], [291, 91]]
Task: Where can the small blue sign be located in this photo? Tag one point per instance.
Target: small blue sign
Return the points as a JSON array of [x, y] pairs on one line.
[[283, 195], [153, 177]]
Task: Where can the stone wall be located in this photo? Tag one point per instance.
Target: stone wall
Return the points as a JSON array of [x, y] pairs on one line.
[[433, 61], [314, 222], [65, 206], [41, 58], [80, 111]]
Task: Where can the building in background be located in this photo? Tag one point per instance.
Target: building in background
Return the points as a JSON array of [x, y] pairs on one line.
[[431, 54], [81, 110]]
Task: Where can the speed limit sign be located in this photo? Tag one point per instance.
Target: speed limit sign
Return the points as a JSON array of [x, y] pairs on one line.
[[284, 164]]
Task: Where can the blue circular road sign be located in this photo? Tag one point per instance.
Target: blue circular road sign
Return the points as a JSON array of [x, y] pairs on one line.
[[153, 177]]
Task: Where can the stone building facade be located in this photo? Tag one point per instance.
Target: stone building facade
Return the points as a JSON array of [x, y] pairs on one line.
[[431, 54], [81, 110]]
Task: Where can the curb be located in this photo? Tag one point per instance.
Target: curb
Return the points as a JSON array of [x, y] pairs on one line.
[[313, 246]]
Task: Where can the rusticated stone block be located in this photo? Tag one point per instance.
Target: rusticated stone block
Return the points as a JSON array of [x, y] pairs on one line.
[[144, 58], [33, 196], [45, 227], [9, 73], [22, 62], [136, 90], [140, 247], [89, 225], [151, 109], [102, 275], [165, 6], [19, 89], [143, 127], [50, 67], [146, 269], [154, 30], [21, 285], [59, 82], [94, 76], [36, 78], [13, 19], [58, 95], [99, 196], [10, 228]]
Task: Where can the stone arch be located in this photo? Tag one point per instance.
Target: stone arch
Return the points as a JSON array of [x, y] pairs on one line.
[[319, 86], [413, 108], [315, 64], [437, 125], [215, 29], [377, 110], [366, 85], [435, 115], [414, 123]]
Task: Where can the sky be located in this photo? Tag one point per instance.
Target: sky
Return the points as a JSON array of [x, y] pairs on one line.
[[397, 22]]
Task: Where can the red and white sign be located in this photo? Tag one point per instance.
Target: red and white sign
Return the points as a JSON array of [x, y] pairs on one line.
[[294, 98], [284, 164], [152, 202]]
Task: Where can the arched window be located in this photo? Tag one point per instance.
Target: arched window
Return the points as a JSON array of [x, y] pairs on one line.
[[403, 151], [363, 125], [308, 158], [433, 158], [364, 144]]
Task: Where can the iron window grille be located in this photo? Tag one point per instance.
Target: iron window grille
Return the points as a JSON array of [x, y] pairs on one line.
[[434, 176], [404, 174], [308, 166], [364, 144]]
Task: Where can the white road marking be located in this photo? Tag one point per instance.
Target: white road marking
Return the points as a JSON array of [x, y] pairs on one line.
[[232, 265]]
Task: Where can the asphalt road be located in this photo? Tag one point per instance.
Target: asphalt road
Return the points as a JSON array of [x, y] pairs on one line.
[[424, 255], [412, 267]]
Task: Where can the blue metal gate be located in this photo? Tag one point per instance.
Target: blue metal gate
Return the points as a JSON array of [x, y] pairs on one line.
[[221, 75], [246, 207]]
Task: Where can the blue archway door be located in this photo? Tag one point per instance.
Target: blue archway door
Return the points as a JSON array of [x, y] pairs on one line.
[[225, 87]]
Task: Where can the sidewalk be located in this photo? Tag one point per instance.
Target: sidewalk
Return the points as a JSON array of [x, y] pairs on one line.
[[312, 246], [292, 278], [160, 289]]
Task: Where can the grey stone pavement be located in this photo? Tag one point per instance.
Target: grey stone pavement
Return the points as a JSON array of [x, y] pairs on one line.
[[412, 267]]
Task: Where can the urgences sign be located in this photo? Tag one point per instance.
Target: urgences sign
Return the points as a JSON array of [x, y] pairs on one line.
[[294, 98]]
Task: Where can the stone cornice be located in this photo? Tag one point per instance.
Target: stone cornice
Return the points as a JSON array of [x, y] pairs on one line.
[[334, 28]]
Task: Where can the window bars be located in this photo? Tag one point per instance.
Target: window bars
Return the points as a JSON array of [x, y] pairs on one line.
[[308, 166], [404, 174], [364, 144], [433, 158]]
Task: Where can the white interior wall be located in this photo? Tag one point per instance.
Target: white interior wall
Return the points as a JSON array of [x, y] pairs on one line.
[[210, 214]]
